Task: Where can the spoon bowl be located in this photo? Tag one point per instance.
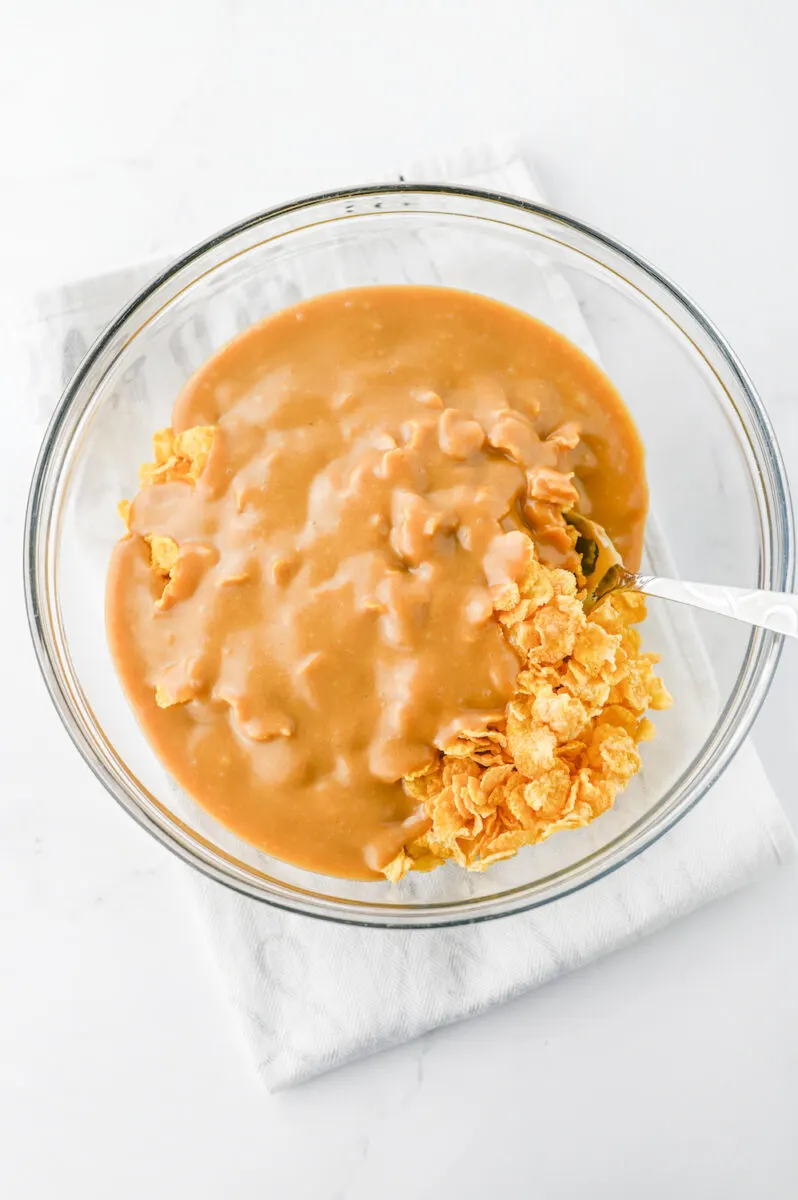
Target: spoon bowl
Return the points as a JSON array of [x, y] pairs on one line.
[[604, 572]]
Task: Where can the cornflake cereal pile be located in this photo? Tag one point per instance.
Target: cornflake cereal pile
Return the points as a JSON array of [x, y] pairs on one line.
[[568, 742]]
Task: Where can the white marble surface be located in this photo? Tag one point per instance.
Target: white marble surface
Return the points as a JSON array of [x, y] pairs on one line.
[[667, 1070]]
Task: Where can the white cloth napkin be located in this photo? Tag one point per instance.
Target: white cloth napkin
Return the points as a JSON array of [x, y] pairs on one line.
[[311, 995]]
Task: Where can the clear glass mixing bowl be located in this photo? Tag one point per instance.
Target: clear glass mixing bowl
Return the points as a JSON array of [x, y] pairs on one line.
[[719, 502]]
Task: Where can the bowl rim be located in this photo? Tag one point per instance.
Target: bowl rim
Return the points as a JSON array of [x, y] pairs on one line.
[[750, 689]]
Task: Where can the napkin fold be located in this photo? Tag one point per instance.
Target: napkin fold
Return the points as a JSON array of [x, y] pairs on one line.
[[310, 995]]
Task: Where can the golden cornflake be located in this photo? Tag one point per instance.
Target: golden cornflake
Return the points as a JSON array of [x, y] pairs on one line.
[[163, 553], [178, 457]]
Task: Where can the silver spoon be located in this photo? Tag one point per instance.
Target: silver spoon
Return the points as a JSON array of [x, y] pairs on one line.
[[604, 572]]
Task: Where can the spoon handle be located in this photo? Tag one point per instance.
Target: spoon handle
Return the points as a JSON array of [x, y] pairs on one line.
[[771, 610]]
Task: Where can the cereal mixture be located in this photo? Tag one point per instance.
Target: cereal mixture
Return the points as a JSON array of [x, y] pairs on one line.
[[567, 743], [348, 609]]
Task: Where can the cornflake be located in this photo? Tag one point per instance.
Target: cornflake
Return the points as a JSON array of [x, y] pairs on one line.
[[568, 741], [178, 456]]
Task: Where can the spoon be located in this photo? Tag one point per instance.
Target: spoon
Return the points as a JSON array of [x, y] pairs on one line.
[[604, 572]]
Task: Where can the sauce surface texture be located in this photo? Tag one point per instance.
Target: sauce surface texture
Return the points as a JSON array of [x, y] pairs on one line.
[[327, 624]]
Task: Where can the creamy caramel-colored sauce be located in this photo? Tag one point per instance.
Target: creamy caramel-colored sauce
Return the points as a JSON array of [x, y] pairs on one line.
[[330, 624]]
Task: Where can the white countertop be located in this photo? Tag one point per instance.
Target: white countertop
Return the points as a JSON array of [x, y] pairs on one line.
[[668, 1070]]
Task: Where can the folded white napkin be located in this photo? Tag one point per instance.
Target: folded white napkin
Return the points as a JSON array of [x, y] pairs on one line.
[[311, 995]]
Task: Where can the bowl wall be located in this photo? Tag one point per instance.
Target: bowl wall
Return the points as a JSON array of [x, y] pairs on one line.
[[719, 509]]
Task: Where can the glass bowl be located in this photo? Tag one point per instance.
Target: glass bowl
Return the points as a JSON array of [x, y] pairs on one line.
[[719, 509]]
